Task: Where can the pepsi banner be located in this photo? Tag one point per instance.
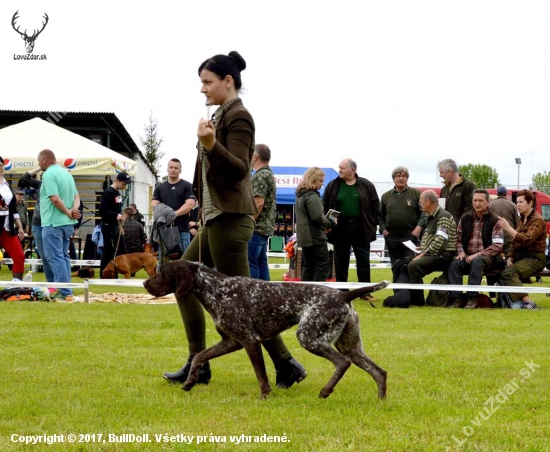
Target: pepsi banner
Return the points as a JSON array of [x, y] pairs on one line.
[[82, 166]]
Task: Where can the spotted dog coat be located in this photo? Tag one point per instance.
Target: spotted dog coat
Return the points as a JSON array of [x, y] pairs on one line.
[[248, 311]]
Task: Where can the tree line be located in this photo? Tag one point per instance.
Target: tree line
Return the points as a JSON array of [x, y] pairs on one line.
[[485, 176]]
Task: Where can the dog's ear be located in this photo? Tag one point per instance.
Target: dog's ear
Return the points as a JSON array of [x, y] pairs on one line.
[[185, 277]]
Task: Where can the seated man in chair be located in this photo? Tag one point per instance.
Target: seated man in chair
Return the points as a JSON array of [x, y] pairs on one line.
[[480, 241], [438, 244]]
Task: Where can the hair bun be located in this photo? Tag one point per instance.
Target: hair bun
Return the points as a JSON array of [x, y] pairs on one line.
[[239, 60]]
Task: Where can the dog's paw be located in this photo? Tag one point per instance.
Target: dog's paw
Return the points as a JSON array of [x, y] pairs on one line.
[[325, 393], [188, 385]]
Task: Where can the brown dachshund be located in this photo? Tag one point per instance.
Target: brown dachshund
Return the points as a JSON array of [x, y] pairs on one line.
[[128, 264]]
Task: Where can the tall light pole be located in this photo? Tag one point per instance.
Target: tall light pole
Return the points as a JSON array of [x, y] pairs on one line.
[[518, 162]]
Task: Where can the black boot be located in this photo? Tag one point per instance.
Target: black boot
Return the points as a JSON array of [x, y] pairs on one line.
[[288, 372], [181, 375]]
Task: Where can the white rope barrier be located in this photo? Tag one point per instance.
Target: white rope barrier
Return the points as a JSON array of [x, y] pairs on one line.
[[64, 285], [335, 285], [351, 266], [91, 263], [449, 287]]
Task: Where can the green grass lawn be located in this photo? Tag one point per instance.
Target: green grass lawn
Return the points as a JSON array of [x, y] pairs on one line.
[[457, 380]]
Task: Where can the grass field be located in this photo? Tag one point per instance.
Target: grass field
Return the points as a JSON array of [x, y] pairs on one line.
[[457, 380]]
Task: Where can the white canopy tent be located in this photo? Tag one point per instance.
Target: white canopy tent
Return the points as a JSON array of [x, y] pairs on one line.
[[22, 142]]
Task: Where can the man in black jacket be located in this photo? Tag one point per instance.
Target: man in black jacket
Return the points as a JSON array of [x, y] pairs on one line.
[[110, 210], [357, 201], [480, 241]]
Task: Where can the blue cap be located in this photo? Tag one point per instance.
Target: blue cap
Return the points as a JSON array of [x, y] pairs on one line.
[[501, 191]]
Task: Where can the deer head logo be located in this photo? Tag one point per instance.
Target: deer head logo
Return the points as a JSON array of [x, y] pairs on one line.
[[29, 40]]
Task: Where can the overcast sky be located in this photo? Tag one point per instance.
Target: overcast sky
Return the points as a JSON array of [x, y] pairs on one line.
[[386, 83]]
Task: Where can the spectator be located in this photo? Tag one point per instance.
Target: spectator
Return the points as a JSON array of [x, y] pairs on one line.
[[29, 179], [177, 194], [438, 246], [59, 203], [311, 224], [401, 216], [21, 207], [503, 207], [12, 232], [479, 243], [28, 189], [110, 210], [138, 216], [134, 234], [357, 201], [527, 252], [458, 191], [263, 187]]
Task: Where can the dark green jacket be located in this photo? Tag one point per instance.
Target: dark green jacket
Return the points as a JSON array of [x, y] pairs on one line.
[[459, 200], [400, 212], [311, 221], [370, 205]]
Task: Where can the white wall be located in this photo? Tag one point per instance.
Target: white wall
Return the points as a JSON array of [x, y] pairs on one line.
[[144, 182]]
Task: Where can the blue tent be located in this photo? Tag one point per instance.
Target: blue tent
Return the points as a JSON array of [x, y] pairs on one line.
[[288, 178]]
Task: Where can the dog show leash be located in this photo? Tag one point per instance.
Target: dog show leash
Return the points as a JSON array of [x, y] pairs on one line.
[[199, 186], [120, 231]]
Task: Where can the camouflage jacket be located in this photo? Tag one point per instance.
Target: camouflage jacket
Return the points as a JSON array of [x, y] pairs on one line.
[[263, 185]]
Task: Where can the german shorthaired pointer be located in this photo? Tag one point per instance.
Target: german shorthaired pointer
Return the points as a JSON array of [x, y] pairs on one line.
[[248, 311]]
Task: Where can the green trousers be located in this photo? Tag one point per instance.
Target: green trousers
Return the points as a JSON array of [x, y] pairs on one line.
[[525, 265], [223, 245]]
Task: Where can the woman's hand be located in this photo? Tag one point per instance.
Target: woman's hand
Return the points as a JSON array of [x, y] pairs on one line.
[[503, 222], [20, 233], [207, 134]]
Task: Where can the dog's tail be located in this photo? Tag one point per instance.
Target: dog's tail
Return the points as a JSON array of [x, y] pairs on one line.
[[356, 293]]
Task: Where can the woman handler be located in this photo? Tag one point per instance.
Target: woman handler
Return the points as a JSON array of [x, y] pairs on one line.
[[223, 187]]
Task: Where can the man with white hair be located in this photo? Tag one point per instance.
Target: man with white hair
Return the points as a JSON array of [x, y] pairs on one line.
[[458, 191], [438, 247]]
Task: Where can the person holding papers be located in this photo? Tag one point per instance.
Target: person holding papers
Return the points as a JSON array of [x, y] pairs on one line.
[[438, 247], [311, 226]]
